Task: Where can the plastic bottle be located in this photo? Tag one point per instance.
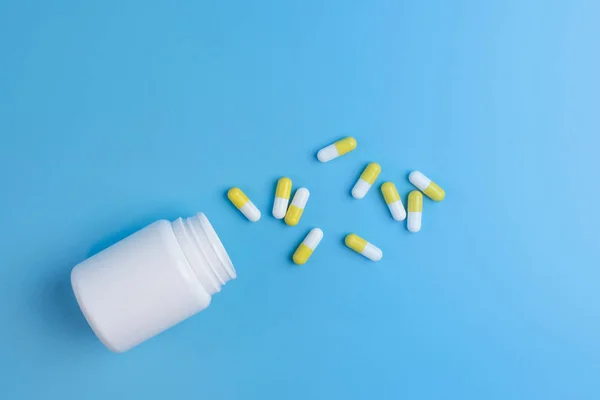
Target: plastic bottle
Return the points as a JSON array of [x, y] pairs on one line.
[[151, 280]]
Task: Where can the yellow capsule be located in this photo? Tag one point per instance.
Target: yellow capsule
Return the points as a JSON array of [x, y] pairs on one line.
[[367, 178], [363, 247], [242, 203], [282, 197], [308, 245], [415, 211], [284, 188], [371, 173], [345, 145], [337, 149], [415, 201], [294, 213], [427, 186], [237, 197], [355, 242], [390, 193], [393, 200]]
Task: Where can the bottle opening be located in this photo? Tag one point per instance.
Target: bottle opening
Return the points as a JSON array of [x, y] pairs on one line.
[[205, 252]]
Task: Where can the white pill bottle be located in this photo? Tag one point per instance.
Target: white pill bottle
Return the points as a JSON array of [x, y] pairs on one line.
[[151, 280]]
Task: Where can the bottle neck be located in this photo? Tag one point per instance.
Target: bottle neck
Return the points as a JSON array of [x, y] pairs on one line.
[[204, 251]]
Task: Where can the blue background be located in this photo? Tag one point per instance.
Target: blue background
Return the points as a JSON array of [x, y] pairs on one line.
[[114, 114]]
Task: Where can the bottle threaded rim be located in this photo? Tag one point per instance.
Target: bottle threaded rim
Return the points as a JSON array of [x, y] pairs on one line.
[[204, 251]]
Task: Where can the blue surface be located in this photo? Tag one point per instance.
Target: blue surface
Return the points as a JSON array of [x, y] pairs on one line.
[[114, 114]]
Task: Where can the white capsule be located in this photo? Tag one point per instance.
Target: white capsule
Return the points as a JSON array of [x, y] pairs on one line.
[[360, 189], [301, 198], [250, 211], [280, 207], [419, 180], [327, 153], [414, 221], [397, 210], [313, 238], [372, 252]]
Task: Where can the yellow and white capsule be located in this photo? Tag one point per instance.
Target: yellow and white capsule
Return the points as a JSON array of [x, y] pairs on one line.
[[393, 200], [415, 211], [337, 149], [427, 186], [366, 180], [282, 197], [308, 245], [243, 203], [294, 213], [363, 247]]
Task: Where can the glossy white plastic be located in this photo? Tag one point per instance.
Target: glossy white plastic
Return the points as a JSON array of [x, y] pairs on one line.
[[151, 280]]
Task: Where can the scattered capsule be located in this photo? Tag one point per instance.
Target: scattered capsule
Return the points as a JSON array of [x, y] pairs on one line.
[[363, 247], [292, 217], [427, 186], [367, 178], [415, 210], [241, 201], [337, 149], [282, 197], [393, 200], [308, 245]]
